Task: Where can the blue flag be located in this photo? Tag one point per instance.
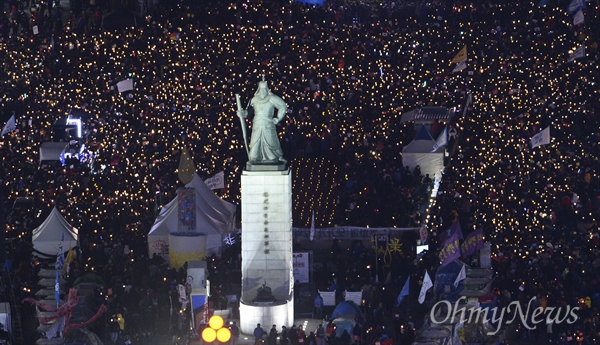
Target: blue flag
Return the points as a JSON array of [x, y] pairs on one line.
[[543, 3], [405, 290], [60, 262]]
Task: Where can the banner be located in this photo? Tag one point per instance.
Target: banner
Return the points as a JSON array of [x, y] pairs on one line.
[[345, 233], [216, 182], [354, 296], [450, 251], [125, 85], [542, 138], [328, 298], [301, 267], [473, 242]]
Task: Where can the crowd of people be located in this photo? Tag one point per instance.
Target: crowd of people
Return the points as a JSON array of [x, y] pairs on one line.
[[348, 71]]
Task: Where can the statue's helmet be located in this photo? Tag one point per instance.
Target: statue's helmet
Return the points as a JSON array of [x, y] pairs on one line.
[[262, 90]]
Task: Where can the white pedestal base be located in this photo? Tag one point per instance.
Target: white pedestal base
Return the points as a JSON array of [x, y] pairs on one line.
[[266, 248], [277, 314]]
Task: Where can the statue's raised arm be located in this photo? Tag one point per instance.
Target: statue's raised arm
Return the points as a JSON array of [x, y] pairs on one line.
[[265, 148]]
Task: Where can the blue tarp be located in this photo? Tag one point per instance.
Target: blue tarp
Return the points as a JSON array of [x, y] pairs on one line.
[[446, 276], [312, 2]]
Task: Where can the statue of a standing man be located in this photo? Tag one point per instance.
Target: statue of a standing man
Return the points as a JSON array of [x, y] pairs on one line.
[[264, 142]]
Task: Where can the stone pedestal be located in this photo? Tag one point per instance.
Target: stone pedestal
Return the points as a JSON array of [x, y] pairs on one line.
[[266, 248]]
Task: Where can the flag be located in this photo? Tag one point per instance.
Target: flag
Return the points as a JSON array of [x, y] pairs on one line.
[[174, 36], [542, 138], [578, 53], [60, 261], [578, 18], [70, 258], [461, 56], [542, 3], [312, 226], [125, 85], [576, 5], [461, 275], [441, 141], [451, 250], [10, 125], [216, 182], [60, 258], [460, 66], [427, 284], [454, 229], [473, 242], [405, 290]]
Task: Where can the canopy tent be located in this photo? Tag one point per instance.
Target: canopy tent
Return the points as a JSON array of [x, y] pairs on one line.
[[347, 310], [419, 153], [214, 217], [51, 151], [46, 238]]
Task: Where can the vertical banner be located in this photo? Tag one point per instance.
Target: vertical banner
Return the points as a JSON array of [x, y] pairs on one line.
[[199, 308], [301, 267]]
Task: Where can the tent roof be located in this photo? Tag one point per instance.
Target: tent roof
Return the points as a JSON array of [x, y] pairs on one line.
[[213, 214], [46, 238], [346, 308]]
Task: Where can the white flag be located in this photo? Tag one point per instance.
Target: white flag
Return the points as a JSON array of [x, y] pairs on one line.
[[312, 226], [427, 284], [542, 138], [10, 126], [441, 141], [216, 182], [461, 275], [576, 5], [460, 66], [578, 18], [578, 53], [125, 85]]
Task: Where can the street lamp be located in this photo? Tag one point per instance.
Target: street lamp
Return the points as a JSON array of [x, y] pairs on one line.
[[216, 331]]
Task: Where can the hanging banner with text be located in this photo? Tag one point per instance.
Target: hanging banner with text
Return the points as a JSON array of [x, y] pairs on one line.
[[345, 232], [354, 296], [301, 267], [328, 298]]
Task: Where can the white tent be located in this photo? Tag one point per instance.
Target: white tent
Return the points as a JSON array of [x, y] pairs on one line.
[[46, 237], [215, 217], [418, 152]]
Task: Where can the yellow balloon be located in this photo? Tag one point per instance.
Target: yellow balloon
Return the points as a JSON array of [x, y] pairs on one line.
[[209, 335], [215, 322], [223, 335]]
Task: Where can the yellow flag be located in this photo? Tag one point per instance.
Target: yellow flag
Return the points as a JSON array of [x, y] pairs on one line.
[[70, 257], [461, 56]]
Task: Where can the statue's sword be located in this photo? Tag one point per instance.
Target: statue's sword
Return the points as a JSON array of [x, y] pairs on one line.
[[243, 123]]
